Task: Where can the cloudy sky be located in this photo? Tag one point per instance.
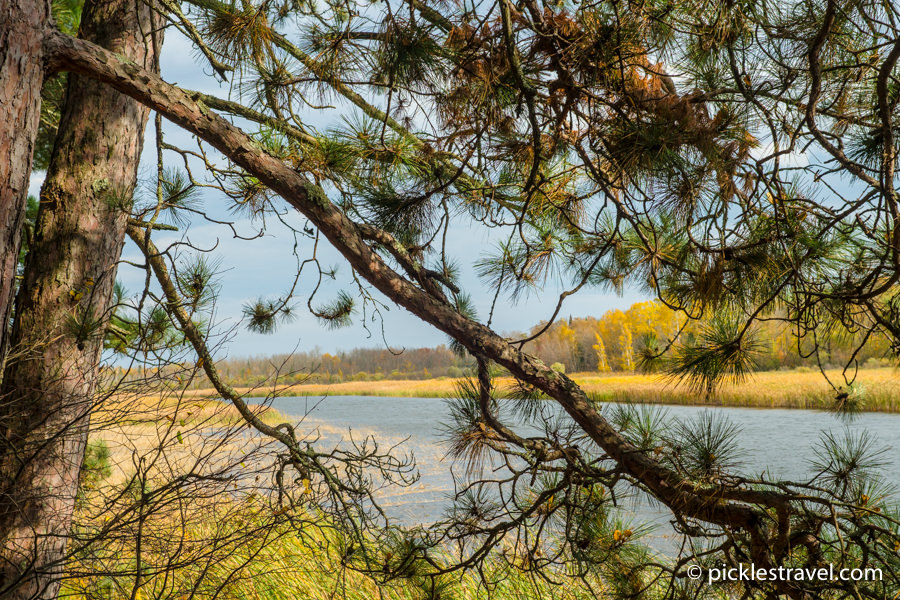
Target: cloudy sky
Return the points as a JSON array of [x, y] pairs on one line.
[[265, 267]]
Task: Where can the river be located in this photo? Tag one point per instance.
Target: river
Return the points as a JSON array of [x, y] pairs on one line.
[[780, 440]]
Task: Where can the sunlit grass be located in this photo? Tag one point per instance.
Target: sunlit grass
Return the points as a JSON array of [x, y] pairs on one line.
[[179, 426], [191, 408], [236, 550], [875, 389]]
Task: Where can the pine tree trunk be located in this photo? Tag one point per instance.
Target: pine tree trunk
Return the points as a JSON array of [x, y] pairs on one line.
[[63, 305], [21, 77]]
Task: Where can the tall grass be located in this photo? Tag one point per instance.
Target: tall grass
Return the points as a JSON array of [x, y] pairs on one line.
[[873, 389], [241, 551]]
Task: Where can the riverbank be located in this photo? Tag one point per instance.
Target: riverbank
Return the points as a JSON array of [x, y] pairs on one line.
[[873, 390]]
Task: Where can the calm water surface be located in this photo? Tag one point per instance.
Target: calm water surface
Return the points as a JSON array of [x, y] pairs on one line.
[[780, 440]]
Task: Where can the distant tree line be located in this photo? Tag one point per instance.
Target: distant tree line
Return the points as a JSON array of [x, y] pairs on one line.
[[633, 340], [359, 364], [638, 339]]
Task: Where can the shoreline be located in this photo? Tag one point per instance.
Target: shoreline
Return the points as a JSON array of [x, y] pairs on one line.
[[874, 390]]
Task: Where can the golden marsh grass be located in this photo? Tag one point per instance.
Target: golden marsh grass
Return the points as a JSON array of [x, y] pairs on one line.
[[875, 389]]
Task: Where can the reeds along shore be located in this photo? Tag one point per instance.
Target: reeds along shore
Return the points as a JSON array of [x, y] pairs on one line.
[[875, 390], [245, 550]]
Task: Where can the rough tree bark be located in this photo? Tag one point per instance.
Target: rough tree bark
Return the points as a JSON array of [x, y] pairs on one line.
[[63, 304], [21, 76]]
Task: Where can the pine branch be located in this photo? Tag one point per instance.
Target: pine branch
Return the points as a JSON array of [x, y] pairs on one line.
[[726, 506]]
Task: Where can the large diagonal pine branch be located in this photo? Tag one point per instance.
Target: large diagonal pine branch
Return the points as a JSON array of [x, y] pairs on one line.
[[732, 507]]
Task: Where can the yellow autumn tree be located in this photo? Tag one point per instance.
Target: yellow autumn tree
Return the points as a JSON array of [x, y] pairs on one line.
[[626, 343], [602, 360], [567, 340]]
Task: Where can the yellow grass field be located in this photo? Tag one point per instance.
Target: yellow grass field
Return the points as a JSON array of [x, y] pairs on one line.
[[873, 390]]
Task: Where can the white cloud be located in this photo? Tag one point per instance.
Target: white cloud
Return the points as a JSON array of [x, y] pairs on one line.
[[790, 160]]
